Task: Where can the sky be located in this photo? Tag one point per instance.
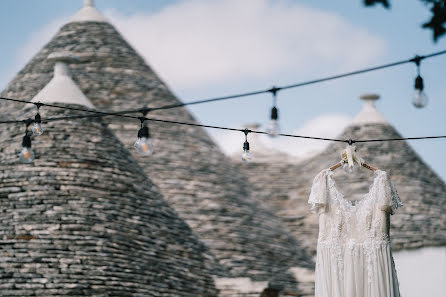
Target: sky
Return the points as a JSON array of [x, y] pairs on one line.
[[212, 48], [207, 48]]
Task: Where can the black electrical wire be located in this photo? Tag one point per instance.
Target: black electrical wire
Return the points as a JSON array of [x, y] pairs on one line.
[[64, 107], [415, 59], [350, 141], [47, 120], [397, 139]]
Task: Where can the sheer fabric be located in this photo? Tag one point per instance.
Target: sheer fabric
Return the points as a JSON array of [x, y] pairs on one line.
[[354, 257]]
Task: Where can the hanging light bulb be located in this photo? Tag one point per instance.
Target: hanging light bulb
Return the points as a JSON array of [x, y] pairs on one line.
[[246, 155], [143, 143], [37, 127], [26, 154], [273, 128], [419, 99]]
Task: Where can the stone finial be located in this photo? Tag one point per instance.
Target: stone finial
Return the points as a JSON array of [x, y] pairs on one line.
[[61, 88], [369, 114], [63, 56], [88, 13], [369, 96], [89, 3]]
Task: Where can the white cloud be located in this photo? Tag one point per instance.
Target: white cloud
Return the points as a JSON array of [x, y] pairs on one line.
[[326, 126], [200, 42]]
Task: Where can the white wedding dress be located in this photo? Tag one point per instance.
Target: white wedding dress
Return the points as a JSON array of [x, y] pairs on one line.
[[354, 258]]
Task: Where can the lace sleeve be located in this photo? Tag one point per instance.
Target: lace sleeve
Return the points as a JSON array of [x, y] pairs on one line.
[[318, 195], [389, 200]]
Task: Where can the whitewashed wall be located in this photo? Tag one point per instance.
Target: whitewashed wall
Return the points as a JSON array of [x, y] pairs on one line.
[[422, 272]]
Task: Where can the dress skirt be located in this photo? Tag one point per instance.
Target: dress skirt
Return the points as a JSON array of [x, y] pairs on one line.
[[356, 271]]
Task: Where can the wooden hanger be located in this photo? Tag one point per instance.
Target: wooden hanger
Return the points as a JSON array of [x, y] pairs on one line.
[[353, 155], [337, 165]]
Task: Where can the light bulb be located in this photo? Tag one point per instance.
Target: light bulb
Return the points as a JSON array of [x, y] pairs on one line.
[[419, 99], [246, 156], [143, 143], [273, 128], [37, 129], [26, 155], [144, 146]]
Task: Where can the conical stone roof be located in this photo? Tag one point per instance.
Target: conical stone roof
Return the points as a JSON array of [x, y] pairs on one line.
[[84, 220], [420, 222], [204, 187]]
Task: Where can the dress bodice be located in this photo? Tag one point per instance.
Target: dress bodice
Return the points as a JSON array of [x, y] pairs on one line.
[[365, 220]]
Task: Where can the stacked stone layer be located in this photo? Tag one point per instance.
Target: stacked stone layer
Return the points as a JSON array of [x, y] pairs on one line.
[[84, 220]]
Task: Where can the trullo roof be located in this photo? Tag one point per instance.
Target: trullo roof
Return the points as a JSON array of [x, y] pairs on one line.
[[194, 176], [285, 187], [84, 219]]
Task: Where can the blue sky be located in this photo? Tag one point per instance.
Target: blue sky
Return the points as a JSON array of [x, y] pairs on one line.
[[211, 48]]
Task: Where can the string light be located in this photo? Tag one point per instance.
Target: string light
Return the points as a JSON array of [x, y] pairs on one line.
[[246, 155], [143, 143], [273, 128], [37, 127], [118, 114], [420, 98], [247, 94], [295, 85], [26, 154]]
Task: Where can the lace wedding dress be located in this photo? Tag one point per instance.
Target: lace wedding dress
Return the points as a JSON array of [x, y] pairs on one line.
[[354, 258]]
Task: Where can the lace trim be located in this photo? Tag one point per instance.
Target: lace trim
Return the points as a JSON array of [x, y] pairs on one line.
[[318, 195], [387, 193], [395, 198], [337, 252], [341, 198]]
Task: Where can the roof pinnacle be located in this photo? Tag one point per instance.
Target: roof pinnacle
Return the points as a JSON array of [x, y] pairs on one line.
[[61, 88], [369, 114], [88, 13], [89, 3]]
